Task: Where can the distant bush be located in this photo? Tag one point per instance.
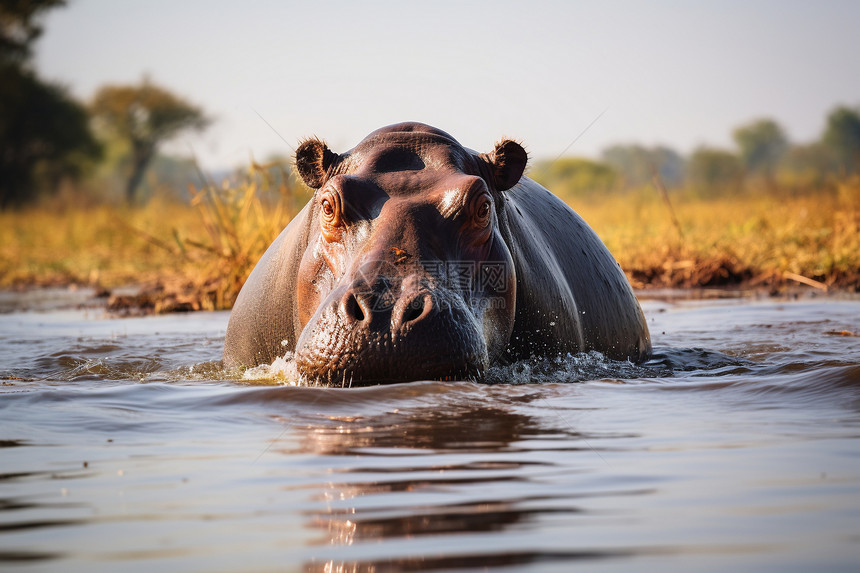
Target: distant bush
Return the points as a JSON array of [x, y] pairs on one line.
[[842, 137], [761, 144], [574, 177], [712, 172], [804, 167], [638, 164]]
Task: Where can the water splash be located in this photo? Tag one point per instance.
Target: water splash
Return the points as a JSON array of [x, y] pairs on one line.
[[559, 370], [282, 370], [572, 368]]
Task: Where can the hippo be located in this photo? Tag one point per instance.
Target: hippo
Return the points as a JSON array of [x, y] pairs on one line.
[[419, 259]]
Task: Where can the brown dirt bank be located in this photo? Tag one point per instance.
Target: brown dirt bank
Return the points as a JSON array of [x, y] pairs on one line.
[[726, 272]]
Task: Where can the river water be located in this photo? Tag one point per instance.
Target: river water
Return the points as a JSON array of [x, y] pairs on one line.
[[123, 445]]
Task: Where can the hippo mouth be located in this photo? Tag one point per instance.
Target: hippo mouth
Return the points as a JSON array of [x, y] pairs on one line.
[[353, 367], [335, 353]]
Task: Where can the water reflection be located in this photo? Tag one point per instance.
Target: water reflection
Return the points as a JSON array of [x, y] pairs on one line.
[[405, 476], [426, 429]]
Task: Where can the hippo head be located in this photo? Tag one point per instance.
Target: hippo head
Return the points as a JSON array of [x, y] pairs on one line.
[[406, 274]]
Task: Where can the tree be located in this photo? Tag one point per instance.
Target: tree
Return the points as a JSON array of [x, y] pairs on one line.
[[761, 143], [807, 166], [714, 171], [44, 134], [639, 164], [571, 177], [145, 116], [19, 27], [842, 137]]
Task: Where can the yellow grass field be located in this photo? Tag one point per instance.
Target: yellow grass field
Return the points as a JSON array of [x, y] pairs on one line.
[[757, 241], [196, 256]]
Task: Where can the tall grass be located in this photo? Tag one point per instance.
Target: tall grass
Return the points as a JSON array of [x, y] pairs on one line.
[[760, 239], [197, 256], [239, 222], [183, 256]]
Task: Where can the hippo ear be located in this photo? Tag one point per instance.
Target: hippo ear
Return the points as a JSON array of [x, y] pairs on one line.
[[507, 161], [313, 160]]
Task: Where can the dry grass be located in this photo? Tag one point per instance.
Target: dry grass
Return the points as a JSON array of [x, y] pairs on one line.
[[761, 240], [183, 257], [240, 223], [90, 244], [197, 257]]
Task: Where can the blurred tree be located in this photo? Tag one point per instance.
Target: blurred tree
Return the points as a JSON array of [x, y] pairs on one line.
[[806, 166], [712, 172], [44, 134], [145, 116], [761, 143], [670, 165], [571, 177], [842, 137], [638, 164], [19, 27]]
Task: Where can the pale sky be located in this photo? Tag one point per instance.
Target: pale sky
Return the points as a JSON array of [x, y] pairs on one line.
[[680, 73]]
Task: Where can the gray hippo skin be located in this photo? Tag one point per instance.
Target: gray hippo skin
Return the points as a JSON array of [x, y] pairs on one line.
[[420, 259]]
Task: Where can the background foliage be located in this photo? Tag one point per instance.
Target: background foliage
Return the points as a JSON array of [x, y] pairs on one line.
[[88, 197]]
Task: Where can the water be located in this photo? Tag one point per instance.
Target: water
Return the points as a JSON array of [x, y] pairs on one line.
[[124, 446]]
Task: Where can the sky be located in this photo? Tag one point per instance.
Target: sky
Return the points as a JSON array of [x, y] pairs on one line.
[[567, 76]]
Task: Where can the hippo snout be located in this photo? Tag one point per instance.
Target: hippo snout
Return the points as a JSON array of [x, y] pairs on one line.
[[377, 307], [380, 331]]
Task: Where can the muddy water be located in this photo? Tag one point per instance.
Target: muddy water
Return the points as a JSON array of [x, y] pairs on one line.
[[123, 446]]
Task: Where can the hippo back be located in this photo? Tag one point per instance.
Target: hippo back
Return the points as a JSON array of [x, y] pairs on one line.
[[263, 327], [572, 296]]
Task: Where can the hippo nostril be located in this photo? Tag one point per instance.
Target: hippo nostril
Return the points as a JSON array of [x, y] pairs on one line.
[[351, 308], [413, 310]]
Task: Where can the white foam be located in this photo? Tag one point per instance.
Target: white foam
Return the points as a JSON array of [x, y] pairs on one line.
[[282, 370]]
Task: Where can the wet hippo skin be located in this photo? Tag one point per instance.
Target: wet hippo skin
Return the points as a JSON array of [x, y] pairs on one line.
[[420, 259]]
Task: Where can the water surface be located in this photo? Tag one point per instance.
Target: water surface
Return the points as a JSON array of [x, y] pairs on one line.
[[123, 445]]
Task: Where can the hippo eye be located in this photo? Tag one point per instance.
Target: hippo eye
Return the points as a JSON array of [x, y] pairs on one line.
[[327, 208], [330, 215], [330, 207], [482, 212]]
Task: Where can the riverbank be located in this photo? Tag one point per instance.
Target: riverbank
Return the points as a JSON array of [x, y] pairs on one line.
[[171, 256]]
